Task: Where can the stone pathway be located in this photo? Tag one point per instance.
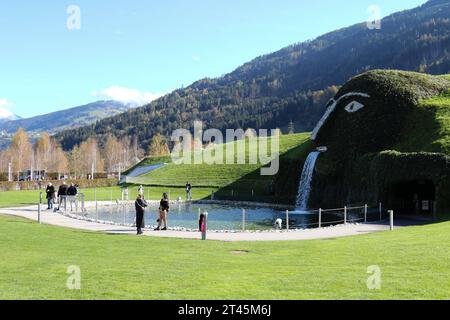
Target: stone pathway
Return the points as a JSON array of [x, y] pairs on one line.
[[48, 217]]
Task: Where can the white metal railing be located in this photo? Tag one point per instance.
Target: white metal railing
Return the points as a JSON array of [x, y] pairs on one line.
[[76, 202], [345, 212], [347, 216]]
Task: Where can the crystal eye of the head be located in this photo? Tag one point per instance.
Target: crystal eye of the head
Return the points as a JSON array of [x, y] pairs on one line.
[[354, 106]]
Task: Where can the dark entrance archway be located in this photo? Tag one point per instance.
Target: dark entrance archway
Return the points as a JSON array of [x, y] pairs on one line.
[[412, 197]]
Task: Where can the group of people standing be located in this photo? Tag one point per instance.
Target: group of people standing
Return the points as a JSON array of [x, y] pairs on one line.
[[64, 190], [140, 205]]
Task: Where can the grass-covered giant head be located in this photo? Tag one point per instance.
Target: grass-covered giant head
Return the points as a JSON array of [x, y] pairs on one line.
[[384, 128], [373, 112]]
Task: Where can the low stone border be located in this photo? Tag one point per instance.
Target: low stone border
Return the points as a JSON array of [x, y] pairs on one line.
[[69, 220]]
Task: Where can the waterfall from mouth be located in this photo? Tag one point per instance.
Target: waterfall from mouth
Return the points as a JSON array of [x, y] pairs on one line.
[[304, 188]]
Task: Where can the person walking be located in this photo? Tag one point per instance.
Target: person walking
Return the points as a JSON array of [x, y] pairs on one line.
[[188, 191], [163, 212], [50, 191], [140, 205], [62, 194], [72, 190], [72, 193]]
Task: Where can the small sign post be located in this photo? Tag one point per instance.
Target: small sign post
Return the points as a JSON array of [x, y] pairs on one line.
[[381, 211], [320, 218], [345, 215], [39, 207], [391, 219], [203, 224], [287, 220]]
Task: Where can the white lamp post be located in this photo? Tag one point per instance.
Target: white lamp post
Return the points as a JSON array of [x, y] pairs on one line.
[[9, 172]]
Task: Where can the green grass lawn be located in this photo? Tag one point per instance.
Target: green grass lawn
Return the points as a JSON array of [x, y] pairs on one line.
[[414, 262], [29, 197]]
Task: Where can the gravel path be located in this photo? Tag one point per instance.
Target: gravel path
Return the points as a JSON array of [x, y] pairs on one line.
[[55, 219]]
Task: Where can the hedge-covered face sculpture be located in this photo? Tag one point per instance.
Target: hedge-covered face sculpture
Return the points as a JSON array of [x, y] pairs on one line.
[[361, 119], [377, 111]]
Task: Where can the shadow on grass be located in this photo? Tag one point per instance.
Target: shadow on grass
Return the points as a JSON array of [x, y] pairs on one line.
[[18, 221], [281, 188]]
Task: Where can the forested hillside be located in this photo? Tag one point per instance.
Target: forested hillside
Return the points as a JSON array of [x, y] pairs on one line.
[[292, 84]]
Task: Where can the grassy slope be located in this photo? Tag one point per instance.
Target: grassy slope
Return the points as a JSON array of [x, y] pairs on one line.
[[240, 181], [414, 263], [217, 175], [428, 126]]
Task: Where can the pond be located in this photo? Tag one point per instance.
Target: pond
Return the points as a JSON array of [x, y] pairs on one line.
[[221, 216]]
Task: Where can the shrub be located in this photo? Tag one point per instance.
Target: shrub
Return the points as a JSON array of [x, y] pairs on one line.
[[34, 185]]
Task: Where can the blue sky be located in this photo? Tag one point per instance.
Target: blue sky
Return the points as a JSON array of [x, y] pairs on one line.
[[138, 49]]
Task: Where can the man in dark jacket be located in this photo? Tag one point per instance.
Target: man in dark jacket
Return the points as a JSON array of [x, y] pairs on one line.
[[62, 193], [50, 191], [72, 191], [140, 205]]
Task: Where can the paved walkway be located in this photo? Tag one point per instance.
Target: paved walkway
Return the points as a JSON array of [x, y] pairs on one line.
[[55, 219]]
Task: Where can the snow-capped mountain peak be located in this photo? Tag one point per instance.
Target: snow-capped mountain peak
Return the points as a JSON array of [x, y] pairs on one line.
[[6, 115]]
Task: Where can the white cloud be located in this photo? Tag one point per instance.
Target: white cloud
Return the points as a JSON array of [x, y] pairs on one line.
[[126, 95], [4, 103], [4, 112], [196, 58]]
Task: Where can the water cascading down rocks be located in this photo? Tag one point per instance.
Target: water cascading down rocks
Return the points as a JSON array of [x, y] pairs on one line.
[[304, 188]]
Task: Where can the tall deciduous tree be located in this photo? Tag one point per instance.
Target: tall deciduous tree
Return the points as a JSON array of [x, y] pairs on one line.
[[61, 163], [158, 147], [112, 153], [91, 158], [44, 152], [21, 151], [75, 159], [5, 159]]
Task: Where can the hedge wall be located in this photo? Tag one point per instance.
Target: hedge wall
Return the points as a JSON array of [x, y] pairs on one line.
[[391, 167], [369, 179], [33, 185]]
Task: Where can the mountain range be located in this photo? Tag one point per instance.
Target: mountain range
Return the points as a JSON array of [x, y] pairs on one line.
[[60, 120], [287, 87]]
